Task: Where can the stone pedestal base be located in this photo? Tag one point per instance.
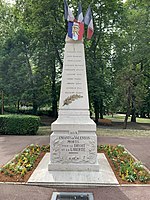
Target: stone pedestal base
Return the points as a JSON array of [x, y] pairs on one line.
[[73, 145], [42, 177], [73, 151]]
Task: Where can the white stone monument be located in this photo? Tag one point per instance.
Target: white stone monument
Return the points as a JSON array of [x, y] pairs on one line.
[[73, 143]]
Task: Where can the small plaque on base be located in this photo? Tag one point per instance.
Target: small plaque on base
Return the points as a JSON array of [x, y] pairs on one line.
[[72, 196]]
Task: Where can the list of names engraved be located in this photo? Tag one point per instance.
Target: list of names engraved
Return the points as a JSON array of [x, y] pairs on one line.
[[74, 70]]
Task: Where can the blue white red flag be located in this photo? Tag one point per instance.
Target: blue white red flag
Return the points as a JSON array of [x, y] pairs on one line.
[[75, 27], [80, 19], [68, 12], [88, 20], [75, 30], [80, 14]]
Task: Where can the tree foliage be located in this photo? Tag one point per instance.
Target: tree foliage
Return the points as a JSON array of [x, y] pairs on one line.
[[31, 55], [131, 60]]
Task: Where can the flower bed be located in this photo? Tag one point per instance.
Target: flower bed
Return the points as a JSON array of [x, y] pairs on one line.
[[21, 167], [126, 169]]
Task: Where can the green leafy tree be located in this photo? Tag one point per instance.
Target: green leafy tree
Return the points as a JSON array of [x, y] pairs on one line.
[[130, 61], [107, 18]]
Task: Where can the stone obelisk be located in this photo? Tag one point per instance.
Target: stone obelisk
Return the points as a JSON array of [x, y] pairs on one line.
[[73, 143]]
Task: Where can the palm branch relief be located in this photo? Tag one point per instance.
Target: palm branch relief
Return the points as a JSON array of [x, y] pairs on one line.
[[71, 98]]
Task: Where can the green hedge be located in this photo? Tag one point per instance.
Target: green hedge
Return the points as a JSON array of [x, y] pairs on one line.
[[19, 124]]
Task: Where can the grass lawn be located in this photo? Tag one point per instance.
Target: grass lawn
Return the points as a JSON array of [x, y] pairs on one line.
[[44, 130], [120, 118], [122, 132]]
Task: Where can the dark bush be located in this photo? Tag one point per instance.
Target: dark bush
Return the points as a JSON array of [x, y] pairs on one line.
[[19, 124], [10, 109], [45, 112]]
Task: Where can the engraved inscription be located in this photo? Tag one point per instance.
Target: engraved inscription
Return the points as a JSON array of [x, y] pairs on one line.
[[74, 149], [75, 71]]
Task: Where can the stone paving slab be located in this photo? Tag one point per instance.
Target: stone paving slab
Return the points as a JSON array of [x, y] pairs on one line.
[[105, 176]]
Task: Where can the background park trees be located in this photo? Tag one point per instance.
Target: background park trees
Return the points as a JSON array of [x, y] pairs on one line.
[[32, 36]]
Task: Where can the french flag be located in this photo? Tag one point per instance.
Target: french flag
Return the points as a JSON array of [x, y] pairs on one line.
[[76, 28], [88, 20], [80, 19], [68, 13]]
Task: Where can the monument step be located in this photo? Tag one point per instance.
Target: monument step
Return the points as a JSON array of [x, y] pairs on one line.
[[73, 167], [105, 175]]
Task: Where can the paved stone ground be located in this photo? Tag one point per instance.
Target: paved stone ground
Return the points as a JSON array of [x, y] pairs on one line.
[[11, 145], [17, 192]]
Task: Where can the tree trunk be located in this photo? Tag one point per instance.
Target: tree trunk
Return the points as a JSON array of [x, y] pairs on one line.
[[142, 114], [35, 106], [133, 118], [56, 49], [128, 107], [148, 110], [101, 109], [133, 110], [96, 110], [18, 102], [125, 121], [2, 108], [54, 96]]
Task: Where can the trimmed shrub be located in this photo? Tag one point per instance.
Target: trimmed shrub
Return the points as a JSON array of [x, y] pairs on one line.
[[19, 124]]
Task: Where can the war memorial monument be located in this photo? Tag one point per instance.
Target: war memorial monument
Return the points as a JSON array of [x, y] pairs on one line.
[[73, 158]]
